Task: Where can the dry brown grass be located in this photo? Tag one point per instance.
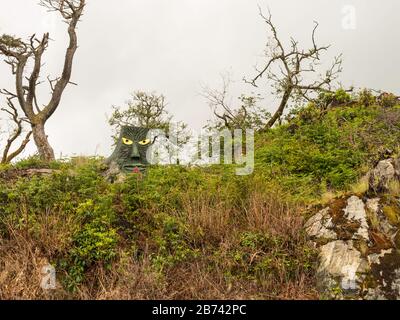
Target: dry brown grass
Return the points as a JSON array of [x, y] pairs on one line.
[[268, 213], [127, 280], [27, 249], [195, 281], [213, 226], [263, 213], [213, 219], [21, 263]]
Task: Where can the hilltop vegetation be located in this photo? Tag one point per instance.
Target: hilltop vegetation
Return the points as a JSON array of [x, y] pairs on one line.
[[185, 232]]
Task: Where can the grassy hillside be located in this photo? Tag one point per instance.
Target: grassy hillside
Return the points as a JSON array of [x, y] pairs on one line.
[[188, 232]]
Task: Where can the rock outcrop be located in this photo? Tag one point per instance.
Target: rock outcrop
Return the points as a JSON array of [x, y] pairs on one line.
[[358, 240], [381, 175]]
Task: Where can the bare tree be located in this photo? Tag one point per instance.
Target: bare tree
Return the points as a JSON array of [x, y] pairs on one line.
[[290, 68], [19, 54], [8, 155], [247, 114]]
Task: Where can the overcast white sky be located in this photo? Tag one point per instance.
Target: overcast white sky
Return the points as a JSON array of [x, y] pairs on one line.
[[176, 46]]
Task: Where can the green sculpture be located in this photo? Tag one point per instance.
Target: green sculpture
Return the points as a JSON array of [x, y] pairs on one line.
[[130, 152]]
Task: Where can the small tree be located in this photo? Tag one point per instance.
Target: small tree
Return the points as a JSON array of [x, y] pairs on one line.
[[148, 110], [15, 133], [247, 115], [289, 70], [19, 54], [142, 110]]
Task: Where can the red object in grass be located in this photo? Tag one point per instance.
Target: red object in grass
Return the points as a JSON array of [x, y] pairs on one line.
[[136, 170]]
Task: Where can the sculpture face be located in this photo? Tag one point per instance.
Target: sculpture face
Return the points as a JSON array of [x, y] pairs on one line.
[[131, 149]]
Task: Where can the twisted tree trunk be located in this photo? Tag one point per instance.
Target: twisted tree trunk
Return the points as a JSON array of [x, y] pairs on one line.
[[45, 150], [19, 53]]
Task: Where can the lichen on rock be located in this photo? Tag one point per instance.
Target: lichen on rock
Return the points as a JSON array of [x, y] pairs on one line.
[[381, 175], [320, 226], [358, 240], [342, 261], [355, 211]]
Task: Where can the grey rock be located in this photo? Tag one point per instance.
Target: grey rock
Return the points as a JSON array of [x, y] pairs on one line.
[[342, 261], [378, 218], [396, 164], [320, 225], [355, 211], [359, 257], [373, 205], [374, 294], [381, 176]]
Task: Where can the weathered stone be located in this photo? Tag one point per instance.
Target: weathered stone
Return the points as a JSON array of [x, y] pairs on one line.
[[374, 294], [385, 272], [381, 176], [373, 205], [396, 239], [395, 286], [396, 164], [359, 257], [340, 260], [319, 226], [355, 211]]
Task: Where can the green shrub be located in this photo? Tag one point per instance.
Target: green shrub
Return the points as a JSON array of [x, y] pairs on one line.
[[33, 162], [339, 97], [261, 256], [172, 243], [366, 98], [330, 148], [388, 100]]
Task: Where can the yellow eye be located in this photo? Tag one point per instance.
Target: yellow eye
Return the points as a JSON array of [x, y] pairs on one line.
[[144, 142], [127, 141]]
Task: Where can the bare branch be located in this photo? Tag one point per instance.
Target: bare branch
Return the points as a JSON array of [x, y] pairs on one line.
[[71, 10], [227, 115], [12, 111], [18, 53], [286, 67], [37, 52]]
